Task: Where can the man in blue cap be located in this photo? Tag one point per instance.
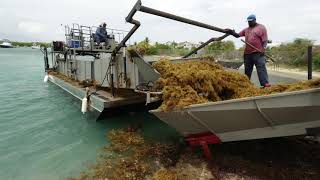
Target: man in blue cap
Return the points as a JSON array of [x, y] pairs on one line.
[[255, 35]]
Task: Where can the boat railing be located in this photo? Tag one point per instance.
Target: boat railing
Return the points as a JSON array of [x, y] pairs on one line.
[[116, 33], [85, 35]]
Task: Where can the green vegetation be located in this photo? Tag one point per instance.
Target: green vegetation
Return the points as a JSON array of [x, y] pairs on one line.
[[221, 46], [291, 54], [294, 53], [145, 48], [173, 48], [223, 50], [29, 44]]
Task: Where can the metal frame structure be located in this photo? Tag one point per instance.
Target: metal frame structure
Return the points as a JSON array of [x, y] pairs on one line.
[[205, 44], [84, 35]]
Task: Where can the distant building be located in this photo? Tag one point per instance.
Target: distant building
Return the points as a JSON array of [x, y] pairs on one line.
[[188, 45], [168, 43], [185, 44]]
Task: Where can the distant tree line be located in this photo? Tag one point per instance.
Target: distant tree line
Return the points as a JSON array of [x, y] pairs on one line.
[[174, 48], [295, 53], [29, 44], [221, 46], [292, 53], [22, 44], [144, 47]]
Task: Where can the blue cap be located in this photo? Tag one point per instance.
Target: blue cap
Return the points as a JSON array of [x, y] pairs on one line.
[[252, 17]]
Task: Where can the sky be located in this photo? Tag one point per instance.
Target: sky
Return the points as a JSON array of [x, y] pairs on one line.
[[44, 20]]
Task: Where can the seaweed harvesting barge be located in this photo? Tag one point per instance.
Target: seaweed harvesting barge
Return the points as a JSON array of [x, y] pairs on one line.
[[108, 78], [119, 80]]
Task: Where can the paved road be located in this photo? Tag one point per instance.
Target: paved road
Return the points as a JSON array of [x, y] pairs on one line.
[[280, 76]]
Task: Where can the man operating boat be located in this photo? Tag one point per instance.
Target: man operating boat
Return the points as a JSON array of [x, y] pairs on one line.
[[101, 34]]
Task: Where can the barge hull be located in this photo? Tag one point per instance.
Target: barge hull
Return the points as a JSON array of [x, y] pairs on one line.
[[277, 115], [102, 103]]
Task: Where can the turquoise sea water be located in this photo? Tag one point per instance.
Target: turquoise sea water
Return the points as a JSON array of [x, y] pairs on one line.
[[43, 134]]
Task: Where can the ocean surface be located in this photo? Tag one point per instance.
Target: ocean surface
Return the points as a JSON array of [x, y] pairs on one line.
[[43, 134]]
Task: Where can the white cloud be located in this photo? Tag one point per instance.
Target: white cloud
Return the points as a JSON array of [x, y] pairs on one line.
[[285, 19], [31, 27]]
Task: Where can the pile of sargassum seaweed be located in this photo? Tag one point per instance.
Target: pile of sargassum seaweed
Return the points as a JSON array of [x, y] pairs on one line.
[[196, 82], [130, 156]]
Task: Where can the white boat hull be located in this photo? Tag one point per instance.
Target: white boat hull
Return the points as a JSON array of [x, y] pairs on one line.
[[6, 45]]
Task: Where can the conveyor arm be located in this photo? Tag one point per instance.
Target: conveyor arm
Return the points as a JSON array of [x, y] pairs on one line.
[[178, 18], [138, 7], [205, 44]]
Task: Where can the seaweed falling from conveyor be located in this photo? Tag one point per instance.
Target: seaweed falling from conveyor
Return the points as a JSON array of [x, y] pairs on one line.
[[196, 82]]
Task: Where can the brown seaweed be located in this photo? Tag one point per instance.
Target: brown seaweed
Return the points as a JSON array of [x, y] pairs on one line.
[[196, 82]]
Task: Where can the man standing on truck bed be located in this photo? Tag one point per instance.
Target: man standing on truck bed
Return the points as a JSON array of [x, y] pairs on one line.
[[256, 35]]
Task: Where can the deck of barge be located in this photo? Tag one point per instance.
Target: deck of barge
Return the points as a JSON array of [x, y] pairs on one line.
[[102, 100]]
